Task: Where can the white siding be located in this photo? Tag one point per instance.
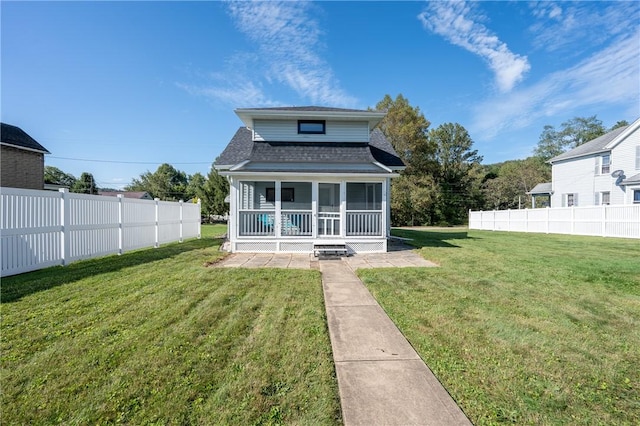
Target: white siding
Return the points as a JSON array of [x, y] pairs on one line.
[[287, 131], [583, 176]]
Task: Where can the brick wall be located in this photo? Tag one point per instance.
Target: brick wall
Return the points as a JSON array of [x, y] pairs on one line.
[[21, 169]]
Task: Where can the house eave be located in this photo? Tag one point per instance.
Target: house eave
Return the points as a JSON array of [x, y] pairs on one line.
[[622, 136], [39, 151], [307, 174]]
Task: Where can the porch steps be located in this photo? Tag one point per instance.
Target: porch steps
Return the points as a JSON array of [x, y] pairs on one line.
[[333, 249]]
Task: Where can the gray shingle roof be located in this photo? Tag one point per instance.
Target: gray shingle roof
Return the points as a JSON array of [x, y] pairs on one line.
[[542, 188], [242, 148], [594, 146], [13, 135]]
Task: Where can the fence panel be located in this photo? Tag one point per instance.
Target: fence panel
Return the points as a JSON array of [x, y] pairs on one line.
[[621, 221], [44, 228]]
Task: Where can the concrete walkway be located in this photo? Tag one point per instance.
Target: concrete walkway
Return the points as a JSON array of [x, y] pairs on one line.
[[381, 378]]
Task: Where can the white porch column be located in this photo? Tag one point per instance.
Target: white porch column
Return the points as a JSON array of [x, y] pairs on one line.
[[276, 219], [232, 223], [386, 209], [314, 209], [343, 209]]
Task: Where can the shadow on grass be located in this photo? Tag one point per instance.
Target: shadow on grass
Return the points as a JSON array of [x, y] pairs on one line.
[[16, 287], [432, 238]]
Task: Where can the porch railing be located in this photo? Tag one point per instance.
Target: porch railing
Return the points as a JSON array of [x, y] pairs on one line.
[[257, 222], [295, 223], [364, 223]]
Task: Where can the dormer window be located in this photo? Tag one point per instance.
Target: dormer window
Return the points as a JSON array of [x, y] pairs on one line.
[[312, 127]]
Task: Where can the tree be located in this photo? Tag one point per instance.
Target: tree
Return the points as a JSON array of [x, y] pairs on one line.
[[573, 133], [55, 176], [456, 160], [215, 191], [414, 192], [166, 183], [514, 179], [195, 188], [621, 123], [86, 184]]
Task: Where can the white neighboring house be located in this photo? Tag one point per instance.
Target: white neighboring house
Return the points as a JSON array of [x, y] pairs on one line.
[[308, 179], [605, 170]]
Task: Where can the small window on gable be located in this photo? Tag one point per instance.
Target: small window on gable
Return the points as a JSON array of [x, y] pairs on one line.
[[312, 127]]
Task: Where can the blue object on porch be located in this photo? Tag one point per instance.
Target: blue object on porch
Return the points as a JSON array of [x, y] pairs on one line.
[[266, 219]]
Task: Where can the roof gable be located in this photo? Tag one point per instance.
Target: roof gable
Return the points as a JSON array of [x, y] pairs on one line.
[[16, 137], [600, 144]]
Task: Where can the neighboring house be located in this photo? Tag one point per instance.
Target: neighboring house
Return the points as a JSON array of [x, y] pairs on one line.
[[605, 170], [139, 195], [22, 162], [303, 179]]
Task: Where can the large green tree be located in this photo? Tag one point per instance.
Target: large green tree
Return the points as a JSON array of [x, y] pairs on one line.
[[86, 184], [572, 133], [166, 183], [55, 176], [215, 191], [414, 192], [456, 160]]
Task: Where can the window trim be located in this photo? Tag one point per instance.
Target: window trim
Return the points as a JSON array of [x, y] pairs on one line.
[[603, 165], [602, 194], [634, 200], [312, 132]]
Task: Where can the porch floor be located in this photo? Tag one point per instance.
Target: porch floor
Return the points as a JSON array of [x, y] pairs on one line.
[[391, 259]]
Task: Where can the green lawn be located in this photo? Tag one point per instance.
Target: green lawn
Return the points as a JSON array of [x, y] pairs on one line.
[[524, 328], [155, 337]]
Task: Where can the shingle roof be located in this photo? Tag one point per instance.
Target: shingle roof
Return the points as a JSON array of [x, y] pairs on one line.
[[542, 188], [15, 136], [242, 148], [632, 180], [594, 146]]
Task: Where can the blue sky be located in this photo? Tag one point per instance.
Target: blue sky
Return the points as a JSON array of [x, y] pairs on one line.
[[130, 85]]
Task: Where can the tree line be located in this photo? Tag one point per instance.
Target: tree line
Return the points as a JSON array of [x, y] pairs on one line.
[[167, 183], [444, 177]]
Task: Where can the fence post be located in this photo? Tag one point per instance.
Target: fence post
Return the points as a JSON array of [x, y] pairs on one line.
[[604, 220], [199, 219], [65, 218], [120, 223], [181, 209], [548, 215], [157, 241]]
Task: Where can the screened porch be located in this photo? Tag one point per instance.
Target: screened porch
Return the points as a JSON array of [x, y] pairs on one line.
[[290, 209]]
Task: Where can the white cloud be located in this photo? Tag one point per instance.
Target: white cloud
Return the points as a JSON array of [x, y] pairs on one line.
[[288, 43], [576, 26], [608, 77], [455, 22]]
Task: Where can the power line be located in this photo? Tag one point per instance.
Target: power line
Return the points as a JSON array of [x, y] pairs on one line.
[[126, 162]]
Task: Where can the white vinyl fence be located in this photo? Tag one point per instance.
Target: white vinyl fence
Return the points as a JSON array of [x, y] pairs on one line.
[[45, 228], [605, 221]]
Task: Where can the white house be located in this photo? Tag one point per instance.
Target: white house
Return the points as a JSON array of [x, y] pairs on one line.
[[605, 170], [306, 179]]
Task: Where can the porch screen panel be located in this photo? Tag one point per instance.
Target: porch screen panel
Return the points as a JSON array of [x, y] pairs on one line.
[[295, 213], [364, 209], [256, 213]]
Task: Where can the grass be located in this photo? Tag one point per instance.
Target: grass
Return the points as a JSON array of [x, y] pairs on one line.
[[155, 337], [524, 328]]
